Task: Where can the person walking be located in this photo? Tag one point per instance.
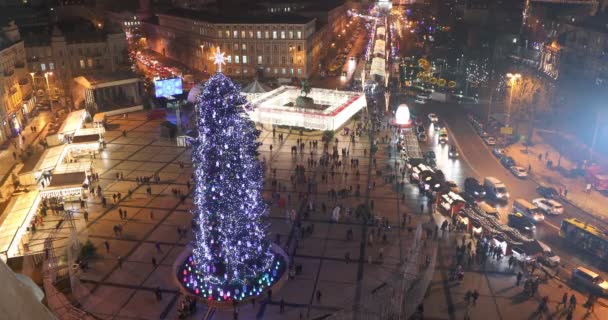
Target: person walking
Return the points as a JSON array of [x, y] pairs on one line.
[[107, 245], [282, 306], [475, 296], [564, 300], [519, 276], [120, 262], [154, 262], [318, 296], [86, 216], [572, 302]]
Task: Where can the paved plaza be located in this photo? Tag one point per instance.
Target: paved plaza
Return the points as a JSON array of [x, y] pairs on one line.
[[122, 280]]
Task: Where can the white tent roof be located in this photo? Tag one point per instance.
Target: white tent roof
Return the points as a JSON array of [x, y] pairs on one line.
[[380, 47], [17, 300], [15, 220], [256, 87], [50, 158], [73, 122], [378, 67]]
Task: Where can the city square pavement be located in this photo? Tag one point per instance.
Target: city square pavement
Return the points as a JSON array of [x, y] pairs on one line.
[[120, 282]]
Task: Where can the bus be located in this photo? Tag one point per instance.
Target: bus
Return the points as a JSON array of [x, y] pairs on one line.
[[585, 236]]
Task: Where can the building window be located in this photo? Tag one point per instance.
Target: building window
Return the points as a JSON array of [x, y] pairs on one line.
[[236, 59], [244, 47], [43, 67], [236, 47], [274, 34], [260, 60], [276, 70], [243, 34], [51, 66], [283, 60], [219, 33], [267, 60], [299, 33], [282, 34], [259, 34], [266, 34], [290, 34], [299, 71], [283, 71], [299, 48], [244, 59], [229, 59], [290, 60], [90, 62], [251, 34], [82, 65], [291, 71], [235, 34], [227, 33]]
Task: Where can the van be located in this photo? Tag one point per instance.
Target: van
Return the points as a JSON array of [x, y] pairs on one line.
[[489, 210], [495, 188], [590, 279], [527, 209]]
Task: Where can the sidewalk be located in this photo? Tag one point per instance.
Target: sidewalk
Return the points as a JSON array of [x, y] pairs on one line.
[[499, 296], [6, 156], [593, 202]]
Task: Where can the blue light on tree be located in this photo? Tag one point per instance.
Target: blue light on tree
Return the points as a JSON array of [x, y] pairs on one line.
[[231, 254]]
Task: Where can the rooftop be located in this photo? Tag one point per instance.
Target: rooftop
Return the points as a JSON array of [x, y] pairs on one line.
[[237, 17]]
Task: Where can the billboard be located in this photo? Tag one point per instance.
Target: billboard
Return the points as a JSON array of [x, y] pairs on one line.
[[168, 87]]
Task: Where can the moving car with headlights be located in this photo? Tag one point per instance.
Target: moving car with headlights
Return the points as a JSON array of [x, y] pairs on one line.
[[524, 207], [453, 152], [590, 280], [474, 188], [521, 223], [443, 137], [549, 206], [490, 141], [433, 117], [495, 189], [519, 172]]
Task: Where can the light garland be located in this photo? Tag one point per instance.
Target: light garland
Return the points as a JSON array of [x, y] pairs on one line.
[[231, 253]]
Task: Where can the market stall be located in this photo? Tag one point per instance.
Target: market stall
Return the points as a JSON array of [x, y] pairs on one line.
[[15, 222], [67, 186], [450, 203], [33, 171]]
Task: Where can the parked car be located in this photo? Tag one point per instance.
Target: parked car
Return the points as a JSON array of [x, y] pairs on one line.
[[507, 161], [499, 152], [547, 192], [549, 206], [590, 280], [453, 152], [419, 101], [521, 223], [422, 137], [519, 172], [433, 117], [474, 188], [490, 141]]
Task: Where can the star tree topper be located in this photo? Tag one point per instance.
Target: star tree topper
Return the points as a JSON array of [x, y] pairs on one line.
[[219, 59]]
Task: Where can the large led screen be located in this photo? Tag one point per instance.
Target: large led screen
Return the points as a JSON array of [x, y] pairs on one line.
[[168, 87]]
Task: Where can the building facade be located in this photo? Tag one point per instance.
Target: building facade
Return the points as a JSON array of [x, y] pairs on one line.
[[271, 45], [16, 98], [56, 58]]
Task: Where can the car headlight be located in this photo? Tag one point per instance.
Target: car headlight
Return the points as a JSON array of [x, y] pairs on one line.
[[527, 228], [476, 193]]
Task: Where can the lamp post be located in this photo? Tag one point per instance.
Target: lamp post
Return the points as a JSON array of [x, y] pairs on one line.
[[513, 77], [48, 87]]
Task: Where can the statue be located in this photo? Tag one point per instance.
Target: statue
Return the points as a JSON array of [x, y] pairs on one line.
[[305, 88], [303, 101]]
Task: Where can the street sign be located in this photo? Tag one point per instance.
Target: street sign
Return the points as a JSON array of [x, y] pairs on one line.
[[506, 130]]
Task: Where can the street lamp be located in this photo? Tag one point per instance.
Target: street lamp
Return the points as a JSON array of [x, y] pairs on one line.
[[513, 77], [46, 77]]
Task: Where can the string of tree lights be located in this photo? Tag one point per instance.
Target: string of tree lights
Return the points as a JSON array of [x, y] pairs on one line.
[[231, 258]]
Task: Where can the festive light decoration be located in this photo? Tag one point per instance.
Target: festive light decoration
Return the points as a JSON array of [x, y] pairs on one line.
[[219, 59], [231, 257]]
